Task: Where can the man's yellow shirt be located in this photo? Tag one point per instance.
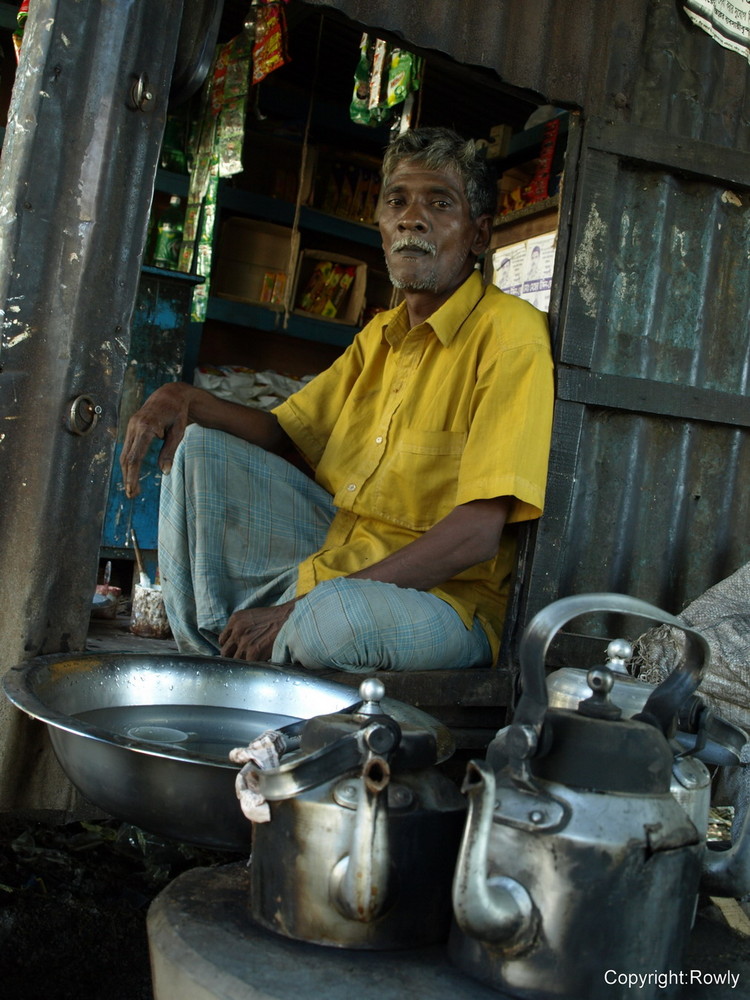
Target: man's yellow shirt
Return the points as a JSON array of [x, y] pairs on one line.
[[409, 423]]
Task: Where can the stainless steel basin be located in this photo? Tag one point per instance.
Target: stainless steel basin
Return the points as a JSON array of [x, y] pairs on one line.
[[145, 736]]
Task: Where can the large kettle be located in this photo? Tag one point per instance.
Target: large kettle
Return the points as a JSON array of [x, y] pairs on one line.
[[577, 861], [363, 834]]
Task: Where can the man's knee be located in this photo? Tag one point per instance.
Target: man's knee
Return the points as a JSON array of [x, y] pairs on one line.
[[360, 625], [326, 631]]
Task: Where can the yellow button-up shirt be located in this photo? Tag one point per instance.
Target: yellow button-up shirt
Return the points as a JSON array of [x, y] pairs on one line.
[[409, 423]]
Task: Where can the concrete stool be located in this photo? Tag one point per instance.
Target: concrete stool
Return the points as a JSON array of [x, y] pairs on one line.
[[204, 946]]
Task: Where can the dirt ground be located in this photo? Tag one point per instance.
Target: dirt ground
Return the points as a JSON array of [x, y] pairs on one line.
[[73, 905]]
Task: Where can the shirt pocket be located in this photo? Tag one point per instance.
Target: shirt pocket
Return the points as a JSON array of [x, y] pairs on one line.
[[420, 478]]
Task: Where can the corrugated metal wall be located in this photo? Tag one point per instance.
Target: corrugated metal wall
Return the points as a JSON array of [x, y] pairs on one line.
[[639, 60], [649, 493], [650, 484]]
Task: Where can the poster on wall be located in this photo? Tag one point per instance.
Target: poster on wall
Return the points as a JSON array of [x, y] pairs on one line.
[[726, 21], [525, 269]]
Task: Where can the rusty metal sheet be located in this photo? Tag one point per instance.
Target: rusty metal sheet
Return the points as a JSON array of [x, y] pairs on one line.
[[649, 485], [671, 251], [654, 508], [76, 178], [638, 61]]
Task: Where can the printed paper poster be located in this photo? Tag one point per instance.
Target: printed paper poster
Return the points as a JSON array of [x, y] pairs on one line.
[[726, 21], [525, 269]]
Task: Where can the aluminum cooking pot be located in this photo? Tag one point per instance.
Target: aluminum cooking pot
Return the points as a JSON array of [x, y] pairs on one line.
[[363, 833]]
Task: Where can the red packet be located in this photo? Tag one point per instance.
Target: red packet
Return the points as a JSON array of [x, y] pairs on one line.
[[269, 50]]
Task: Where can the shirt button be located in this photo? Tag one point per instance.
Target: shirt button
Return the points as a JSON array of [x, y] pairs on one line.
[[378, 440], [351, 486]]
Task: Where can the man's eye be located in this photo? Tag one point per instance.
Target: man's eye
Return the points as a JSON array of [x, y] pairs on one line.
[[439, 203]]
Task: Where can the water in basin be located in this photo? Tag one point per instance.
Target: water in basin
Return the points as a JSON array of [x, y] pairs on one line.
[[203, 730]]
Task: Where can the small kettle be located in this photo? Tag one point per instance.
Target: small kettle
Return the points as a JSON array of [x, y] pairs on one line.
[[363, 834], [701, 736], [576, 857]]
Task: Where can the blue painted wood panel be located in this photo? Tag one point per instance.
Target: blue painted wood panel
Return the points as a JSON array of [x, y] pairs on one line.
[[157, 347]]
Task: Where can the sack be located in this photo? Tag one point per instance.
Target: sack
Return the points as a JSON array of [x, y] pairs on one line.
[[722, 615]]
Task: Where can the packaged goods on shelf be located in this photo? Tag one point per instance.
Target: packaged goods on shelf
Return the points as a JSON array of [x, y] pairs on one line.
[[274, 283], [349, 190], [535, 181], [250, 252], [330, 285]]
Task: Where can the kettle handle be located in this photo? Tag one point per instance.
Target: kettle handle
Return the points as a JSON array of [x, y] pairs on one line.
[[664, 701]]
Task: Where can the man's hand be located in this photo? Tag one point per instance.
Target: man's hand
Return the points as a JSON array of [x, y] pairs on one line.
[[250, 634], [164, 415], [167, 412]]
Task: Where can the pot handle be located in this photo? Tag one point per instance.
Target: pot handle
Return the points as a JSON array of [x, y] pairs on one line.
[[664, 701], [380, 736]]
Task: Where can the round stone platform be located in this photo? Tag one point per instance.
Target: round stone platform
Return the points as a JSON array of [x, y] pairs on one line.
[[204, 946]]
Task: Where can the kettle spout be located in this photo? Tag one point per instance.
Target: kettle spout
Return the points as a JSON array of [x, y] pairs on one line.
[[360, 881], [497, 909]]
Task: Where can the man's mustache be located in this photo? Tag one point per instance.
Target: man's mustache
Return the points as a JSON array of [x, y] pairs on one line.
[[415, 242]]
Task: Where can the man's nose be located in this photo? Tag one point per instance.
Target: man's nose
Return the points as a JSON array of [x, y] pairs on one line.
[[412, 221]]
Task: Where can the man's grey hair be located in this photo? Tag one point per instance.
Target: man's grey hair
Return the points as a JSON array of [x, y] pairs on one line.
[[444, 149]]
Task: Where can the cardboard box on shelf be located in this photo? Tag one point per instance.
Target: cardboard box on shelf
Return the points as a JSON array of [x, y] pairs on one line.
[[249, 251], [329, 283]]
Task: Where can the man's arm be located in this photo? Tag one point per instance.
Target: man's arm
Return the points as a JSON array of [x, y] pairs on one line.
[[167, 412], [470, 534]]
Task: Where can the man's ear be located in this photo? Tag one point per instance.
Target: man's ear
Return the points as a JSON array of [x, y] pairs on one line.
[[482, 234]]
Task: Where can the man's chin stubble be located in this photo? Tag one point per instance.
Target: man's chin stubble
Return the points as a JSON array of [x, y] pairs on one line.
[[428, 284]]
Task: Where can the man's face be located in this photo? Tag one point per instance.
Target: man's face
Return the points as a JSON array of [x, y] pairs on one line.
[[429, 238]]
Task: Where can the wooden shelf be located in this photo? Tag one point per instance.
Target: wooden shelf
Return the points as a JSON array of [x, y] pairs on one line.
[[260, 317], [537, 208], [260, 206], [172, 183]]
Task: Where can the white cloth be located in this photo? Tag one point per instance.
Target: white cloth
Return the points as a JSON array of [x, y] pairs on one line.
[[262, 754]]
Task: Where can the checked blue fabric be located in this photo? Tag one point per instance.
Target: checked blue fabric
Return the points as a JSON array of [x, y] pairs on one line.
[[235, 522]]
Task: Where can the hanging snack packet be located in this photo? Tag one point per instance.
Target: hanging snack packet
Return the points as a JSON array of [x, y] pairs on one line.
[[358, 109], [270, 49], [376, 76], [376, 104], [403, 76]]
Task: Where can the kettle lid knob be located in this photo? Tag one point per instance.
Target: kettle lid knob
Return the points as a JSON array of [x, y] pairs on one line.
[[371, 691], [601, 681], [619, 654]]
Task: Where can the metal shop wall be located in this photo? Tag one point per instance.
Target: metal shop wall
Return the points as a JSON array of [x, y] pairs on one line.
[[649, 489], [76, 179]]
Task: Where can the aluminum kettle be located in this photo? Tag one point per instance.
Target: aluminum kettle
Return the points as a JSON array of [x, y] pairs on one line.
[[576, 857], [363, 835], [701, 736]]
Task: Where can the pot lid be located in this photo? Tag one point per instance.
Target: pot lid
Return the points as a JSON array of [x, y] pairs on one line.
[[407, 744]]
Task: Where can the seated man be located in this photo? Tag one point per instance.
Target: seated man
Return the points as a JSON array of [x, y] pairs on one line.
[[426, 437]]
